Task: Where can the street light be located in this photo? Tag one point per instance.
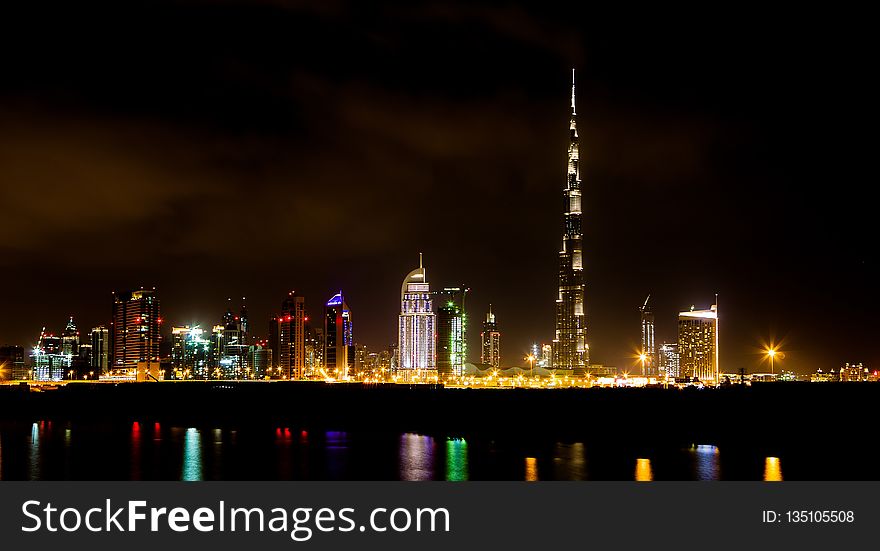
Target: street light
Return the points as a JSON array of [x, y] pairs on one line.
[[642, 358]]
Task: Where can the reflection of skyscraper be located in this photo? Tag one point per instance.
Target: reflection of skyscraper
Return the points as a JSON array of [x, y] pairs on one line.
[[292, 337], [491, 339], [338, 343], [668, 360], [416, 325], [648, 348], [570, 343], [697, 344], [135, 328]]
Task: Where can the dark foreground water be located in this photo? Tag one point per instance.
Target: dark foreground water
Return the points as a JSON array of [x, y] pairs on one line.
[[52, 450]]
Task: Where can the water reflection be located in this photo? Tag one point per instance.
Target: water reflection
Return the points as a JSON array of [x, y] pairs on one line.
[[34, 452], [416, 457], [643, 470], [192, 455], [772, 470], [569, 461], [337, 454], [135, 451], [531, 469], [706, 462], [456, 459]]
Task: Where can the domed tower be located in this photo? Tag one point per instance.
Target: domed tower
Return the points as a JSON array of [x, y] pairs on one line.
[[416, 327]]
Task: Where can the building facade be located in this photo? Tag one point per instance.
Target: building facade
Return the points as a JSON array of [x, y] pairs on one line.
[[648, 347], [291, 337], [450, 349], [490, 353], [570, 349], [698, 343], [667, 360], [416, 334], [338, 341], [135, 329], [100, 339]]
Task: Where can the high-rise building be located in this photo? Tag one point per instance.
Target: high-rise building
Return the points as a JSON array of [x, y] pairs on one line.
[[338, 341], [648, 347], [274, 344], [230, 346], [259, 360], [450, 352], [668, 361], [570, 349], [491, 339], [135, 336], [455, 296], [12, 363], [100, 339], [191, 353], [291, 337], [70, 339], [417, 356], [698, 343]]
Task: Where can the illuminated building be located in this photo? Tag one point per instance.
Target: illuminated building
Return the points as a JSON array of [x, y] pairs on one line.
[[697, 344], [450, 357], [230, 349], [363, 361], [416, 353], [668, 360], [70, 339], [648, 348], [314, 349], [191, 353], [570, 349], [490, 353], [12, 363], [338, 343], [100, 361], [853, 373], [291, 339], [275, 341], [455, 297], [135, 329], [259, 359]]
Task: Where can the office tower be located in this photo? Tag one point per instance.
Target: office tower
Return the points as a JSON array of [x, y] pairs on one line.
[[191, 353], [85, 357], [570, 349], [455, 296], [490, 353], [135, 329], [698, 343], [648, 349], [362, 362], [415, 334], [100, 350], [48, 361], [291, 340], [338, 343], [259, 360], [12, 363], [230, 346], [274, 343], [450, 353], [668, 361], [70, 339]]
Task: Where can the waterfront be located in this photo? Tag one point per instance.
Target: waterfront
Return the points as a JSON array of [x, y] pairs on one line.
[[52, 450]]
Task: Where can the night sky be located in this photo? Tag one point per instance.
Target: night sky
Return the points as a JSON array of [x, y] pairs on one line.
[[247, 148]]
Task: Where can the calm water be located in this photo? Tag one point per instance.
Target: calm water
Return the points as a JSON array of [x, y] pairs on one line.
[[151, 451]]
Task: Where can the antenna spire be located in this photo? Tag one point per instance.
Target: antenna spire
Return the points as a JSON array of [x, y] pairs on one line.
[[572, 92], [420, 261]]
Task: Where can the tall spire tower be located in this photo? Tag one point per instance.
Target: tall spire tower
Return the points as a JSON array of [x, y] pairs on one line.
[[570, 349]]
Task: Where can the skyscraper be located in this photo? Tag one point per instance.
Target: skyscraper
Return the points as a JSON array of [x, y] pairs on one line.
[[135, 328], [450, 353], [491, 338], [100, 350], [338, 342], [648, 347], [70, 339], [668, 361], [570, 349], [698, 344], [291, 355], [417, 356]]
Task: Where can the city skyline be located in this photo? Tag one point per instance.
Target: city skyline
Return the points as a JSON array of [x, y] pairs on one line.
[[114, 181]]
